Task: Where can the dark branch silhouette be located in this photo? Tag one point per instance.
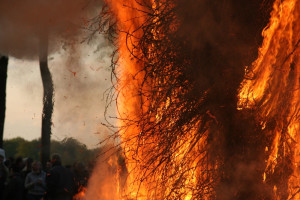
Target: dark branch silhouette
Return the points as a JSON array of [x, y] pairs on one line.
[[47, 101], [3, 80]]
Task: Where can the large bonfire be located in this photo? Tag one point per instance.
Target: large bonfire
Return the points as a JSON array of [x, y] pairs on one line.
[[193, 124]]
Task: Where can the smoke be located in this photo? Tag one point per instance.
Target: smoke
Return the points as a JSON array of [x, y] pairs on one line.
[[24, 23], [81, 76], [80, 70]]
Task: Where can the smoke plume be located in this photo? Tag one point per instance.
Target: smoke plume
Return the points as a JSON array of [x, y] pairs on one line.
[[79, 69], [24, 23]]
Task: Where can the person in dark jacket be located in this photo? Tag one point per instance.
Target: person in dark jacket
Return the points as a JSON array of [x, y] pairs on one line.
[[15, 186], [25, 171], [80, 176], [3, 175], [28, 167], [59, 181]]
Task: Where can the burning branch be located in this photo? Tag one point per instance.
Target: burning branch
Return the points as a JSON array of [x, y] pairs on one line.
[[177, 90]]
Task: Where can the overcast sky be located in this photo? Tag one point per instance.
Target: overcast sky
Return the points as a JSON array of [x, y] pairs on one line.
[[80, 71], [80, 75]]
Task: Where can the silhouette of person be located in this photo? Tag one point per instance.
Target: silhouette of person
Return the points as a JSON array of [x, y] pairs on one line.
[[59, 181]]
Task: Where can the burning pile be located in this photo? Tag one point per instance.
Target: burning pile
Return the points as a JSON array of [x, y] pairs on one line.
[[179, 83], [272, 90]]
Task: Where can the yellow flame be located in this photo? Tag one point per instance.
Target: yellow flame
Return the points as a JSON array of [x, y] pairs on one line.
[[272, 88]]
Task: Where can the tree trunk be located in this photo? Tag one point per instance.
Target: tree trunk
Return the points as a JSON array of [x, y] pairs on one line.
[[3, 78], [47, 102]]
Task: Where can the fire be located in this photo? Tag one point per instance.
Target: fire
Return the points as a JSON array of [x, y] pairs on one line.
[[157, 167], [188, 138], [108, 176], [273, 90], [81, 194]]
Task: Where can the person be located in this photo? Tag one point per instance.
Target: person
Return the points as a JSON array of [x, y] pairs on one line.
[[59, 181], [15, 186], [3, 173], [35, 182], [20, 164], [26, 170], [9, 161], [48, 166], [80, 176], [28, 166]]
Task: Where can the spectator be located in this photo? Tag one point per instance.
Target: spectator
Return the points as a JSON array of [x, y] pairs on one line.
[[15, 186], [19, 163], [9, 161], [35, 182], [3, 174], [48, 166], [26, 170], [28, 166], [59, 181], [80, 176]]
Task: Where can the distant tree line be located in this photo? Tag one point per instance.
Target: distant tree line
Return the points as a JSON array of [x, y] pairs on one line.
[[70, 149]]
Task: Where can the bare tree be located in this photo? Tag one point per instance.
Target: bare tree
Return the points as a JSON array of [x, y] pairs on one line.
[[47, 101], [3, 80]]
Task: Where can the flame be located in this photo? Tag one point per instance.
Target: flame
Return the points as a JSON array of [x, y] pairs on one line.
[[106, 179], [129, 20], [272, 89], [151, 174], [164, 162], [81, 194]]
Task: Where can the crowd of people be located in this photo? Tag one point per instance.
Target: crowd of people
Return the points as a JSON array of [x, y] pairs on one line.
[[25, 179]]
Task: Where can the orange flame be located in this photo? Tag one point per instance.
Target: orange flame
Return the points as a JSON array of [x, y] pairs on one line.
[[272, 88], [81, 194], [129, 20], [132, 106]]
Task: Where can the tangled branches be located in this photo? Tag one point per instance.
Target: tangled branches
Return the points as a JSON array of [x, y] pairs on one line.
[[177, 81]]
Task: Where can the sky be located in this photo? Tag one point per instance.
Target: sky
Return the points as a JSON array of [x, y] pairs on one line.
[[80, 70], [81, 75]]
